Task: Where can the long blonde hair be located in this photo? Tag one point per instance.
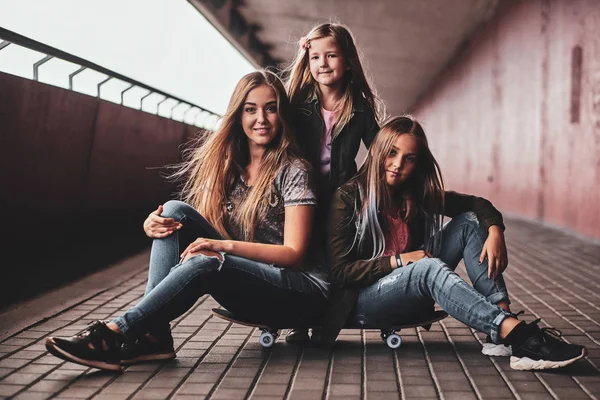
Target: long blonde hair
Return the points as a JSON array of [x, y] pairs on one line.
[[301, 86], [212, 168], [423, 192]]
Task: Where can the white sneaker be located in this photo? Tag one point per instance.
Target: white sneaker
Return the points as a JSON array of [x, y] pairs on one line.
[[495, 350]]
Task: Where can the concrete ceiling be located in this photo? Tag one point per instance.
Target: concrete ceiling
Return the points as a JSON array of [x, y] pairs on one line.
[[405, 43]]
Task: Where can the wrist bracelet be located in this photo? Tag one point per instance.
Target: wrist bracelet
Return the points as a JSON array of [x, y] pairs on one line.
[[398, 261]]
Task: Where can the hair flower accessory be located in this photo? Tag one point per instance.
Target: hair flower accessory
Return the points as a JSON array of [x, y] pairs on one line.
[[304, 43]]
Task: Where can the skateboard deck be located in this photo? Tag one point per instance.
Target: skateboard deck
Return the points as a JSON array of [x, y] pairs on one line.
[[388, 333]]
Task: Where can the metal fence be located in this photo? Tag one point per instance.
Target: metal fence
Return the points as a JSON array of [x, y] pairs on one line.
[[87, 77]]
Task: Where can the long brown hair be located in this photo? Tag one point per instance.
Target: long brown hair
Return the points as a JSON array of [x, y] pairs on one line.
[[422, 193], [301, 86], [211, 169]]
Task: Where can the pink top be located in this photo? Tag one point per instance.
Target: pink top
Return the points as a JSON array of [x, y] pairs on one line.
[[398, 238], [329, 119]]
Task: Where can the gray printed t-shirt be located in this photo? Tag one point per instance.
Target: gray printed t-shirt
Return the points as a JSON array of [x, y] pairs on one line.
[[293, 186]]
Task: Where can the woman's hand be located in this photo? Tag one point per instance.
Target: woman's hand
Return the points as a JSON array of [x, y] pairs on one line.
[[413, 256], [203, 245], [208, 253], [157, 227], [495, 250]]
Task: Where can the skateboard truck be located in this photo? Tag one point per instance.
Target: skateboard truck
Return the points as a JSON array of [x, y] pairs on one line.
[[390, 336]]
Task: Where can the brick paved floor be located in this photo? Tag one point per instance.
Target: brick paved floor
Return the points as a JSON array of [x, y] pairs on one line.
[[551, 276]]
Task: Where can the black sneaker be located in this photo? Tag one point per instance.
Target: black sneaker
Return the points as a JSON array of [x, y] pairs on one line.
[[106, 353], [297, 336], [145, 349], [544, 349]]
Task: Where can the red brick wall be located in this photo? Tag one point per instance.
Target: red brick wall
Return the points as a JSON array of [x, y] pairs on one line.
[[516, 116]]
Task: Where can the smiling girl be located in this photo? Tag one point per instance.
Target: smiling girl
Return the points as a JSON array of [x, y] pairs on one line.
[[336, 108], [391, 259], [336, 105], [242, 236]]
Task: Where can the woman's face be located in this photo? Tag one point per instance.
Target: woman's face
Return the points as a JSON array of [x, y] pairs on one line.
[[260, 119], [401, 163]]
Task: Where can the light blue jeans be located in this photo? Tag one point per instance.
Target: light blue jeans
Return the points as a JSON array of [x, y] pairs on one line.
[[409, 291], [248, 288]]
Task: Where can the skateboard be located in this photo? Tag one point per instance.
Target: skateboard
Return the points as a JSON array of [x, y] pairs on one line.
[[389, 335]]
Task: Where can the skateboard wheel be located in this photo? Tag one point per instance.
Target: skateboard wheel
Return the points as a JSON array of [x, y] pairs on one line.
[[393, 341], [267, 339]]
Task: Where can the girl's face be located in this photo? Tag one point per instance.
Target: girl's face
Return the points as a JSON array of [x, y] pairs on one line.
[[327, 66], [401, 163], [260, 119]]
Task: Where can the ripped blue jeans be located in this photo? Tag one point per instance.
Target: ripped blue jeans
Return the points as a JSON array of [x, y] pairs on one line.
[[250, 289], [411, 290]]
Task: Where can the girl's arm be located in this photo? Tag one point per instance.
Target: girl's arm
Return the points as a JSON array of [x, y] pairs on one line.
[[296, 238], [371, 127], [487, 215], [494, 247], [294, 184], [346, 266]]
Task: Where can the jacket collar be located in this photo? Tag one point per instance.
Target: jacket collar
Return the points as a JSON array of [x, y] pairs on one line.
[[358, 103]]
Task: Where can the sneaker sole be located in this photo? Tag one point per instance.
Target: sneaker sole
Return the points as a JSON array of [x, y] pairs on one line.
[[153, 357], [526, 363], [63, 355], [495, 350]]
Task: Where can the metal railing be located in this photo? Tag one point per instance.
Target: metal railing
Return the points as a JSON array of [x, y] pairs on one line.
[[203, 117]]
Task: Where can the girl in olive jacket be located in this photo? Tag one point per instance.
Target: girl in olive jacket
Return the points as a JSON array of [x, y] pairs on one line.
[[390, 258]]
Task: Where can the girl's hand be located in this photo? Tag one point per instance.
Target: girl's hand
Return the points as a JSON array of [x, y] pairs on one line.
[[157, 227], [201, 244], [495, 250], [413, 256], [208, 253]]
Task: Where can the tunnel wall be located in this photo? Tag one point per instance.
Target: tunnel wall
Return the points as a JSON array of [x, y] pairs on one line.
[[516, 116], [75, 170]]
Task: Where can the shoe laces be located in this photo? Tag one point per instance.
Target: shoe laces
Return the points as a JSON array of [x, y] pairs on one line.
[[551, 333], [101, 337], [92, 329]]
